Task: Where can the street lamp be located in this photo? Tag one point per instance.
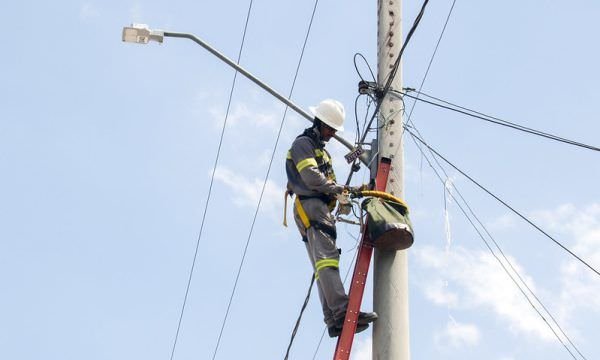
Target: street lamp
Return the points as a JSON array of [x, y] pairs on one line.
[[142, 34]]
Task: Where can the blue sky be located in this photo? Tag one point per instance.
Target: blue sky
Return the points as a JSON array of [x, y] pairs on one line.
[[106, 152]]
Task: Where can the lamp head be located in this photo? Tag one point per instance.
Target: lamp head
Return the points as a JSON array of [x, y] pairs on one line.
[[141, 34]]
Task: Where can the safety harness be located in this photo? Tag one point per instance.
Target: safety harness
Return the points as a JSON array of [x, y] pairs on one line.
[[326, 228], [322, 161]]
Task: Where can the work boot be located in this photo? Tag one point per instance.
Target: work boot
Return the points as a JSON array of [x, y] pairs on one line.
[[367, 317], [364, 318], [336, 330]]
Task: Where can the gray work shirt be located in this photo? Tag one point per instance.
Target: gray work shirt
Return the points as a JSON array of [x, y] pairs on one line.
[[309, 168]]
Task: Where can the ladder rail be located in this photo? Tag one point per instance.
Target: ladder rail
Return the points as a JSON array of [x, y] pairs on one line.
[[359, 277]]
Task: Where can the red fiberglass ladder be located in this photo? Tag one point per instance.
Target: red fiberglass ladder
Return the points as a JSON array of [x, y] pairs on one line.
[[359, 278]]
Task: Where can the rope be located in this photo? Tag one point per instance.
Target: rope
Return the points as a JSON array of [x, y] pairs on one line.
[[383, 195]]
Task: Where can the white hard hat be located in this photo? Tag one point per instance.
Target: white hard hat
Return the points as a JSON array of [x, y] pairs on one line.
[[331, 112]]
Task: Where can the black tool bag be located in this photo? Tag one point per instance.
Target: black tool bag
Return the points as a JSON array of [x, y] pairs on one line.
[[388, 225]]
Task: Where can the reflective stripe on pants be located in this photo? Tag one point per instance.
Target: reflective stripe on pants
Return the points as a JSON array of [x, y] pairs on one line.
[[324, 258]]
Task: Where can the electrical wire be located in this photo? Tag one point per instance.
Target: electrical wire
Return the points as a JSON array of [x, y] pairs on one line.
[[312, 282], [390, 77], [366, 63], [501, 201], [369, 103], [370, 98], [495, 120], [467, 204], [356, 117], [472, 212], [264, 184], [506, 259], [212, 178], [415, 140], [355, 251], [392, 74], [409, 119], [307, 298], [437, 45]]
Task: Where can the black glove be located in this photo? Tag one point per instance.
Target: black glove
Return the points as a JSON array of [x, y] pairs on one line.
[[356, 191], [344, 209]]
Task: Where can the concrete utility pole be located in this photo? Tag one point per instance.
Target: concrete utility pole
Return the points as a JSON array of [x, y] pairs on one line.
[[390, 289]]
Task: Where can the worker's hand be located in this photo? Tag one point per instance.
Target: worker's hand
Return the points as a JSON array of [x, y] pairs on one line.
[[344, 197], [355, 191], [344, 209]]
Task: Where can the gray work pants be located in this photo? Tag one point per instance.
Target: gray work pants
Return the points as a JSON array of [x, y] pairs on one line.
[[324, 257]]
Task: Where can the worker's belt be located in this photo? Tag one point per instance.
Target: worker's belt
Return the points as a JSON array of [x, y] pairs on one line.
[[326, 228], [325, 198]]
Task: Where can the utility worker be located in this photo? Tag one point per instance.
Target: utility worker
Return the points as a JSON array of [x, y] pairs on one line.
[[311, 177]]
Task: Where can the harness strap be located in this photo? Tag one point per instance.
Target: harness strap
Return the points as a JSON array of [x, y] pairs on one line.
[[285, 208], [302, 213], [327, 229]]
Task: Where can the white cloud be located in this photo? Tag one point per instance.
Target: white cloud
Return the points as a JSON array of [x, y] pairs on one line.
[[246, 192], [88, 11], [242, 114], [362, 350], [477, 281], [504, 222], [458, 335], [583, 225], [438, 292], [482, 283], [580, 286], [251, 124]]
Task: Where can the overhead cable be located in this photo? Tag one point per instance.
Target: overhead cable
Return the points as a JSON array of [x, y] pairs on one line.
[[494, 120], [473, 213], [212, 178], [520, 278], [312, 281], [437, 45], [409, 119], [370, 98], [390, 77], [408, 129], [392, 73], [359, 55], [262, 192]]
